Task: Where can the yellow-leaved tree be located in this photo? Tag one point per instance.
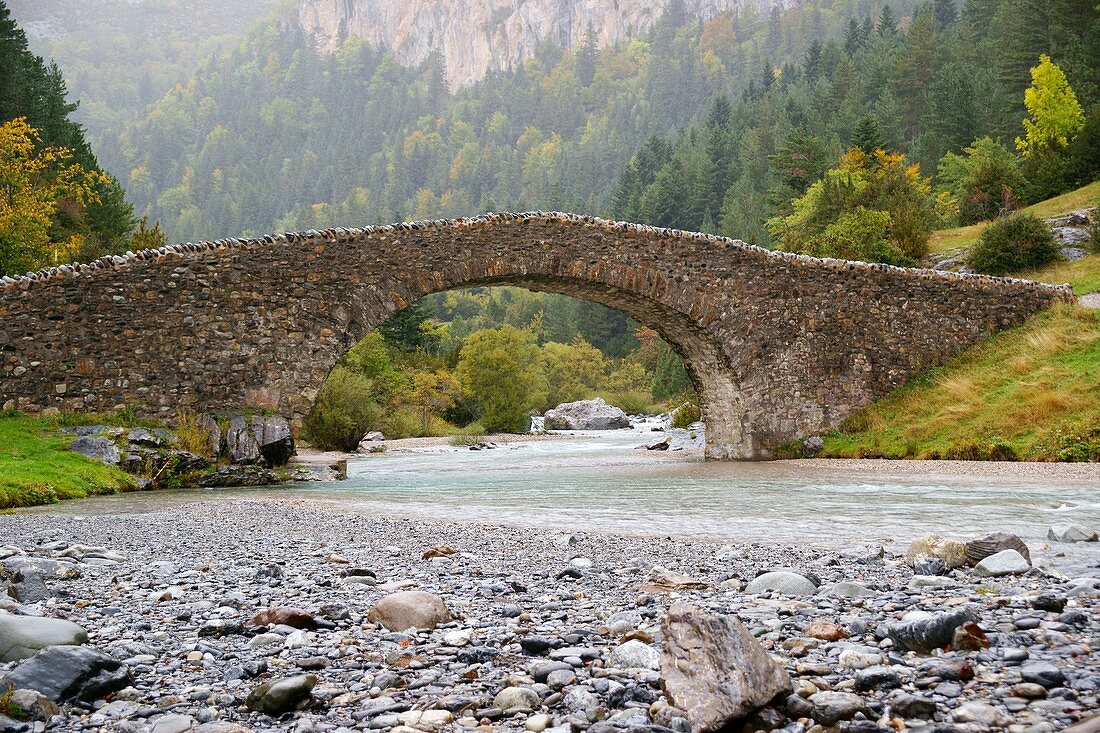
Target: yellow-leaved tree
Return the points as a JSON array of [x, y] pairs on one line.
[[37, 184], [1054, 114]]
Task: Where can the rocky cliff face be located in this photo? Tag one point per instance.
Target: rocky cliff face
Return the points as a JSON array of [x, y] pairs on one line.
[[479, 36]]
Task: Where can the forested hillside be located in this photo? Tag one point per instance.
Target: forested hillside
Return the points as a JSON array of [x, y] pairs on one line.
[[57, 203], [120, 56], [276, 135]]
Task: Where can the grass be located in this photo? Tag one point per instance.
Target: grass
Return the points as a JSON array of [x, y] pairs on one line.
[[36, 466], [1082, 198], [1083, 275], [1031, 393]]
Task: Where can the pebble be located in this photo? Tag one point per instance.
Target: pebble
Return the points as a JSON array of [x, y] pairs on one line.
[[520, 648]]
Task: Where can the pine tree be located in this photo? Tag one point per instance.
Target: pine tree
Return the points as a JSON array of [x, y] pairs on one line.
[[868, 135], [586, 56], [853, 38], [811, 65], [947, 15], [887, 23]]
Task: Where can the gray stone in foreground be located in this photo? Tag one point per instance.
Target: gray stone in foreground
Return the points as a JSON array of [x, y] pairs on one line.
[[981, 548], [846, 590], [832, 707], [586, 415], [790, 584], [1008, 562], [714, 669], [70, 674], [24, 636], [281, 696], [927, 634], [1067, 532], [410, 609]]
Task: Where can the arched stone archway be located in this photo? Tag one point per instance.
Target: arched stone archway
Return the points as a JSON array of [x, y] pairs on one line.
[[778, 345]]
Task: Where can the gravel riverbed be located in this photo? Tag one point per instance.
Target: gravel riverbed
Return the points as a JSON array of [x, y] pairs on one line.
[[572, 622]]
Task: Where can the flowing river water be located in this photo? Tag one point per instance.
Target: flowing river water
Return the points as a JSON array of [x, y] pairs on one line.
[[602, 482]]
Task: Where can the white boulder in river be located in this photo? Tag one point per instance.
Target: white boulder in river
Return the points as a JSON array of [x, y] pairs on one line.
[[411, 609], [586, 415], [23, 636]]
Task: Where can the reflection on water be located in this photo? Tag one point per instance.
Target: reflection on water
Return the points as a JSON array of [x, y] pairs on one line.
[[603, 483]]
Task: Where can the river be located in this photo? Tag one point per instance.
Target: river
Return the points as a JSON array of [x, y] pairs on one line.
[[602, 482]]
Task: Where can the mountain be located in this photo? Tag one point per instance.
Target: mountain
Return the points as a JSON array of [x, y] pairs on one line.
[[476, 37]]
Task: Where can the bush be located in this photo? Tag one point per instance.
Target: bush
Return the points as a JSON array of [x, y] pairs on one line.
[[686, 414], [1013, 243], [633, 402], [860, 234], [472, 434], [345, 411], [191, 436]]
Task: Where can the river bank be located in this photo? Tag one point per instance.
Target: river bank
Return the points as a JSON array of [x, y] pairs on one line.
[[170, 592]]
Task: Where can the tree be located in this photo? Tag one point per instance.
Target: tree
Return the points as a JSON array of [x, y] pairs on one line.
[[573, 371], [983, 182], [409, 329], [947, 15], [35, 183], [1055, 115], [799, 161], [431, 394], [837, 213], [868, 135], [586, 56], [499, 370], [887, 24], [853, 38]]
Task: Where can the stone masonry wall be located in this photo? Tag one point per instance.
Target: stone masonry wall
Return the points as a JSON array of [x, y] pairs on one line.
[[779, 345]]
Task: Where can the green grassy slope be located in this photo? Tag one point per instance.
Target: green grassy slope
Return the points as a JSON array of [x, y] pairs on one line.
[[36, 466], [1082, 198], [1032, 393]]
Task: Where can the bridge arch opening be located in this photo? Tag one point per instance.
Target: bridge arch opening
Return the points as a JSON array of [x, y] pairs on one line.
[[701, 359]]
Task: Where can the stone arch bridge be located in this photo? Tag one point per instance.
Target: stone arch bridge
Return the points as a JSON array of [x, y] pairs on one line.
[[778, 345]]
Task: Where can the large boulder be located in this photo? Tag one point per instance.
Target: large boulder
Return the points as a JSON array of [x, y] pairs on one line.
[[714, 670], [586, 415], [782, 581], [233, 476], [1008, 562], [98, 447], [410, 609], [261, 439], [70, 674], [981, 548], [1067, 532], [951, 552], [24, 636]]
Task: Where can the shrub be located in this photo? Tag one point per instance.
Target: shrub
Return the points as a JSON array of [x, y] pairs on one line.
[[1013, 243], [860, 234], [632, 402], [686, 414], [343, 413], [191, 436], [472, 434]]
